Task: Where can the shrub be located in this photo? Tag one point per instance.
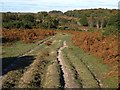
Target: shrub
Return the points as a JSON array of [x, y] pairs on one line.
[[110, 30], [84, 21]]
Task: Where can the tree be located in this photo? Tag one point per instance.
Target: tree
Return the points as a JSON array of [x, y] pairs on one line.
[[42, 15], [27, 17], [18, 24], [53, 23], [91, 21], [27, 20], [113, 20], [8, 17], [56, 12], [84, 21], [6, 25], [100, 22]]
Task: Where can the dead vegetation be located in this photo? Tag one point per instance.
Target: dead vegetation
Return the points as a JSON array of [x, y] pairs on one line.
[[26, 36], [105, 47]]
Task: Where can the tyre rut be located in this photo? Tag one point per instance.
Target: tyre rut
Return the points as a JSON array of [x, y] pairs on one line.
[[12, 65], [16, 64], [90, 71], [94, 76], [67, 78]]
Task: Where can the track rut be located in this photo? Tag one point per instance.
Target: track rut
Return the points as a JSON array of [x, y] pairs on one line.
[[67, 75]]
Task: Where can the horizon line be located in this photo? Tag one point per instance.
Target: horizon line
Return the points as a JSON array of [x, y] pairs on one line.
[[57, 10]]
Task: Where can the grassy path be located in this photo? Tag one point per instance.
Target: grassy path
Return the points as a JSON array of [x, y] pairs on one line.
[[85, 76], [56, 63], [91, 71], [17, 69]]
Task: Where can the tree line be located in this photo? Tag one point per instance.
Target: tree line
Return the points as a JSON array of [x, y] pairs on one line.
[[28, 20], [99, 18]]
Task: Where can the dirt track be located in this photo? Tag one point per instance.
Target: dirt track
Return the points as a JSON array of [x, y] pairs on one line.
[[67, 73], [51, 67]]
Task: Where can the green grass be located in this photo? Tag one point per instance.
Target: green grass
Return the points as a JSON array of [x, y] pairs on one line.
[[83, 72], [74, 54], [96, 65], [23, 63], [10, 53], [16, 49], [51, 76], [72, 67]]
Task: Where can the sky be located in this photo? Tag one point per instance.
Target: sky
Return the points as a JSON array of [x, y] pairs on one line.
[[49, 5]]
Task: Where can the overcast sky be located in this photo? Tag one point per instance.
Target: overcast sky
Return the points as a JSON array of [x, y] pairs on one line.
[[48, 5]]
